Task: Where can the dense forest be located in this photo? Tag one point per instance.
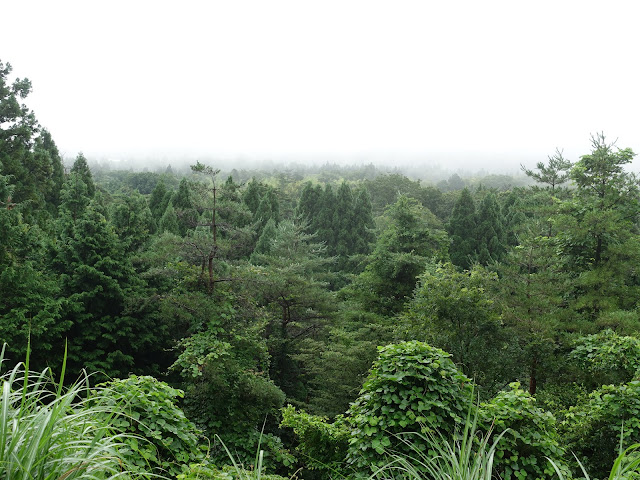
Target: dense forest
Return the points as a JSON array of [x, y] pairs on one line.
[[332, 317]]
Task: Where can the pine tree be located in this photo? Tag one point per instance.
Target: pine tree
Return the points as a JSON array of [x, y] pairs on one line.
[[268, 208]]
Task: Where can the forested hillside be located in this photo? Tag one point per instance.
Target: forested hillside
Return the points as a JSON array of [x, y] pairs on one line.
[[321, 314]]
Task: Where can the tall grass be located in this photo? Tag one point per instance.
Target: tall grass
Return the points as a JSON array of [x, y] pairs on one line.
[[48, 432], [468, 456], [625, 467]]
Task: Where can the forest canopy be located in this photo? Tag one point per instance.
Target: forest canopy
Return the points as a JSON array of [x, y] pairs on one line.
[[321, 315]]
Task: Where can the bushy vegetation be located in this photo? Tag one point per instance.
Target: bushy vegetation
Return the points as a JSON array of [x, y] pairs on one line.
[[205, 302], [49, 430]]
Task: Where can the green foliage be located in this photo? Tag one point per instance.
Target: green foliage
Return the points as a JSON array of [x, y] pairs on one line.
[[224, 367], [532, 284], [30, 304], [464, 247], [336, 364], [169, 221], [455, 311], [51, 432], [81, 168], [412, 237], [555, 173], [205, 471], [288, 282], [594, 427], [412, 387], [490, 232], [528, 436], [159, 200], [98, 281], [158, 436], [608, 357], [321, 444], [131, 218]]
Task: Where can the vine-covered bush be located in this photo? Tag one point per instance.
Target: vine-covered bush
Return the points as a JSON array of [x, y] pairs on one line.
[[608, 357], [411, 387], [530, 436], [592, 429], [322, 445], [148, 411]]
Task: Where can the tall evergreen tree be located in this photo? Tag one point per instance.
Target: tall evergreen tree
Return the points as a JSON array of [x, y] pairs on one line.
[[252, 195], [363, 223], [96, 280], [462, 231], [159, 200], [413, 237], [184, 208], [30, 304], [131, 219], [81, 168], [288, 281], [268, 208], [169, 221], [490, 233], [344, 240]]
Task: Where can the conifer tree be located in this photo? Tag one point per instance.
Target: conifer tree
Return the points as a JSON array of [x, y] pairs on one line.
[[309, 205], [96, 280], [252, 194], [74, 197], [263, 246], [363, 223], [326, 219], [184, 208], [490, 233], [169, 221], [462, 231], [268, 208], [412, 238], [344, 240], [81, 168], [159, 200]]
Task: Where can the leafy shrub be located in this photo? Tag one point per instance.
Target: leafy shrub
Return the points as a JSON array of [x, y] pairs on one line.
[[412, 386], [529, 436], [322, 444], [592, 429], [608, 357], [49, 432], [229, 397], [160, 436]]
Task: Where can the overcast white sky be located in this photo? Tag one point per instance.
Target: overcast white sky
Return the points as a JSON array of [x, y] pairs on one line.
[[441, 80]]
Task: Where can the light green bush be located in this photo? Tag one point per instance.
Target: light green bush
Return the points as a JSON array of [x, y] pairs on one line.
[[411, 387], [158, 435]]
